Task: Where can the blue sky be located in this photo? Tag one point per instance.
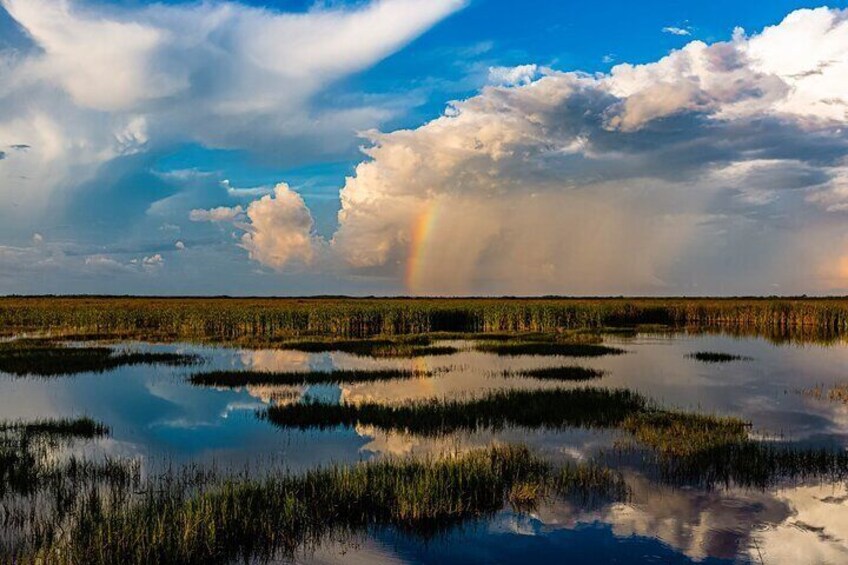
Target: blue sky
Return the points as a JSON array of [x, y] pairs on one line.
[[451, 61], [110, 196]]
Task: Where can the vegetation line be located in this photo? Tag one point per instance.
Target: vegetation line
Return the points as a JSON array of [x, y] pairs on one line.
[[235, 379], [228, 319]]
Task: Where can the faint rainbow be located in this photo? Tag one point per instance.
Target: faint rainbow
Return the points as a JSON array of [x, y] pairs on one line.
[[422, 228]]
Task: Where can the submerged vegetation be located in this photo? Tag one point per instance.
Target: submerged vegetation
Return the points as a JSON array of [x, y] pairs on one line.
[[45, 358], [715, 357], [234, 379]]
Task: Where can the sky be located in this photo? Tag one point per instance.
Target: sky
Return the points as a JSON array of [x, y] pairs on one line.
[[423, 147]]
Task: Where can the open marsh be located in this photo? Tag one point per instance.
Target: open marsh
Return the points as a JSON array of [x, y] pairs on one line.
[[456, 454]]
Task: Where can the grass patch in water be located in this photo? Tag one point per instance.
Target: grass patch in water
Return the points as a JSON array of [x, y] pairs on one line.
[[681, 434], [512, 349], [834, 393], [716, 357], [555, 408], [669, 433], [396, 348], [78, 428], [752, 464], [28, 462], [275, 517], [569, 374], [44, 358], [234, 379]]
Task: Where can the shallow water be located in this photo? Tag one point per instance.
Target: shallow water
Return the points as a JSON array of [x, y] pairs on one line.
[[156, 416]]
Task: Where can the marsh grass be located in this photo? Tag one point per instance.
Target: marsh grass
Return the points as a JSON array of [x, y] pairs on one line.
[[46, 358], [716, 357], [669, 433], [235, 379], [226, 319], [564, 374], [258, 520], [554, 408], [26, 448], [43, 487], [833, 393], [751, 464], [562, 349], [77, 428], [681, 434], [402, 347]]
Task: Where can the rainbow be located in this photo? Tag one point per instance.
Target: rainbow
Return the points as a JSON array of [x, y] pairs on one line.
[[422, 228]]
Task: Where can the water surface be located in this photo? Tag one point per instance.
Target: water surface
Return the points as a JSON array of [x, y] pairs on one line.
[[157, 417]]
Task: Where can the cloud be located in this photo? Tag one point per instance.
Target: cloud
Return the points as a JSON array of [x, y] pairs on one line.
[[513, 76], [103, 262], [278, 228], [710, 170], [153, 262], [219, 74], [246, 192], [674, 30], [220, 214]]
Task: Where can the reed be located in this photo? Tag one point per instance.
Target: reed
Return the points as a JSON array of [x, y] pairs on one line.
[[751, 464], [716, 357], [681, 434], [397, 348], [835, 393], [260, 520], [45, 358], [669, 433], [76, 428], [235, 379], [554, 408], [563, 374], [547, 349], [224, 319]]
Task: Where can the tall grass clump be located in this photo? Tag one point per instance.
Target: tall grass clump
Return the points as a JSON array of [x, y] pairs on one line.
[[547, 349], [235, 379], [716, 357], [563, 374], [45, 358], [554, 408], [260, 520], [397, 348]]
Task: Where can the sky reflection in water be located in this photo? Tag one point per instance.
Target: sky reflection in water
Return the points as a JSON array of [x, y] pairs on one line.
[[156, 415]]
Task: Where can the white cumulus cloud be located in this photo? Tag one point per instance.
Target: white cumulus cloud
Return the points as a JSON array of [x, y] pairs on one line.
[[716, 162], [101, 82]]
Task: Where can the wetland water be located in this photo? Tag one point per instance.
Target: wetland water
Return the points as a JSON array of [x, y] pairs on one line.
[[159, 419]]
